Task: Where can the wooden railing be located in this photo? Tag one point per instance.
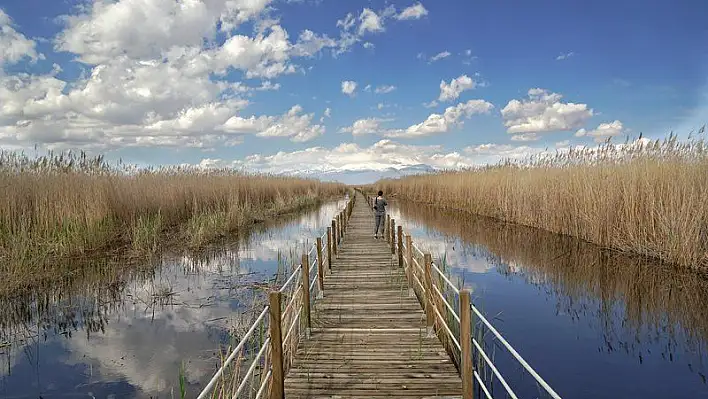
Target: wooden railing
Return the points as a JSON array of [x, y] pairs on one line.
[[451, 316], [284, 325]]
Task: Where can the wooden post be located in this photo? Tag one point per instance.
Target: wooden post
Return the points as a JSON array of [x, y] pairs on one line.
[[334, 237], [306, 290], [409, 261], [277, 387], [393, 236], [430, 319], [400, 246], [343, 224], [387, 229], [320, 269], [466, 343], [343, 216], [329, 248]]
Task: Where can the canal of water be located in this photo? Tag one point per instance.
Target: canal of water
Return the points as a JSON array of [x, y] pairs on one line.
[[593, 323], [128, 334]]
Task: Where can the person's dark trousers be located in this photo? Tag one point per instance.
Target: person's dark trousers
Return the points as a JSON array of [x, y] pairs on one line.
[[380, 220]]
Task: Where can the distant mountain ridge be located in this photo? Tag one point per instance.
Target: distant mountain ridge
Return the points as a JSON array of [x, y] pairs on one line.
[[363, 175]]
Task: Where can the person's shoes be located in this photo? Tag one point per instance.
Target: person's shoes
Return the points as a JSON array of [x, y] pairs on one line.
[[376, 237]]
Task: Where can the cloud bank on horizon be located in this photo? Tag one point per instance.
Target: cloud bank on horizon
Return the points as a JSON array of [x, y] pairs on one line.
[[322, 87]]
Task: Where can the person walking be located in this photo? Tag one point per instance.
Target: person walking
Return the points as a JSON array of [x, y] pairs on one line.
[[380, 205]]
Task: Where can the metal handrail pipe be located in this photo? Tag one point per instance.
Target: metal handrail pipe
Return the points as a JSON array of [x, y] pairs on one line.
[[494, 370], [294, 323], [264, 384], [435, 267], [449, 332], [290, 279], [233, 354], [250, 369], [516, 355], [481, 384], [447, 304]]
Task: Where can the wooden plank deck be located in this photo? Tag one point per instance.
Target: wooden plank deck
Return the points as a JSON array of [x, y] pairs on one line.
[[369, 337]]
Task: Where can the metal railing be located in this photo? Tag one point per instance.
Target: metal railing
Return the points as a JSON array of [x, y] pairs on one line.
[[438, 295], [275, 353]]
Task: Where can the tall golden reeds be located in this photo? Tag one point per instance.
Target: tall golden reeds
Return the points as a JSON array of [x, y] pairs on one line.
[[645, 197], [66, 205]]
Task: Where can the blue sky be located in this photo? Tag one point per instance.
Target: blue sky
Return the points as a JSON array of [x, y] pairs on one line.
[[332, 86]]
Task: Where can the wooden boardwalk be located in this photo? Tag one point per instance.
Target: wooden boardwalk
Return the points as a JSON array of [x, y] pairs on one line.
[[369, 337]]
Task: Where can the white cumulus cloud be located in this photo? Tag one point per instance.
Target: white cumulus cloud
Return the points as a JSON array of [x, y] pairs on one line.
[[365, 126], [603, 131], [543, 111], [353, 28], [452, 117], [14, 46], [293, 124], [143, 28], [349, 87], [416, 11], [451, 91]]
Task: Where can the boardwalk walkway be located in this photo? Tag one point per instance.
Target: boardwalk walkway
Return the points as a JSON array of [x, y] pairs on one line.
[[369, 337]]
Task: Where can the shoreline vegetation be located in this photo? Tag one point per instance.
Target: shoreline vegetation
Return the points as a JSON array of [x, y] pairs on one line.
[[68, 206], [643, 197]]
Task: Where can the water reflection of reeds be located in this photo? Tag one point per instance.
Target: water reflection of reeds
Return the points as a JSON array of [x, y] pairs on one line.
[[628, 294], [228, 279]]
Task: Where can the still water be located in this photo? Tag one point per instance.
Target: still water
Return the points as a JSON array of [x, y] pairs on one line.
[[593, 323], [126, 333]]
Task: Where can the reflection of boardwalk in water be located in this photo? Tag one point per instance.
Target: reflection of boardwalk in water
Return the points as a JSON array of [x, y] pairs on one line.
[[369, 336]]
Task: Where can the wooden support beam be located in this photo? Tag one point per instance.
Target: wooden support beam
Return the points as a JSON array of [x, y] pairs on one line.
[[467, 368], [409, 264], [400, 246], [334, 237], [430, 313], [320, 269], [277, 386], [306, 290], [393, 236], [329, 248]]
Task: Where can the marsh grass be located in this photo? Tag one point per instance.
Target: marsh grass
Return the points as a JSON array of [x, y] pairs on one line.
[[645, 197], [68, 205]]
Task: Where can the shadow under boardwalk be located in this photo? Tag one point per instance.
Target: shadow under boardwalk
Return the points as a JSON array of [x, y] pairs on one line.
[[369, 337]]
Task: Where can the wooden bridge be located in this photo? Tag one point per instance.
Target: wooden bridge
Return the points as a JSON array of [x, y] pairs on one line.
[[369, 336], [365, 317]]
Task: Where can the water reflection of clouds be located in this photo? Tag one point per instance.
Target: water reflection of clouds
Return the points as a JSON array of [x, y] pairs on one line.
[[458, 255], [181, 312], [293, 239]]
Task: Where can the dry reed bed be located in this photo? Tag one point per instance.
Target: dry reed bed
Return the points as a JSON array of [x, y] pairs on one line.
[[60, 206], [654, 297], [644, 197]]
